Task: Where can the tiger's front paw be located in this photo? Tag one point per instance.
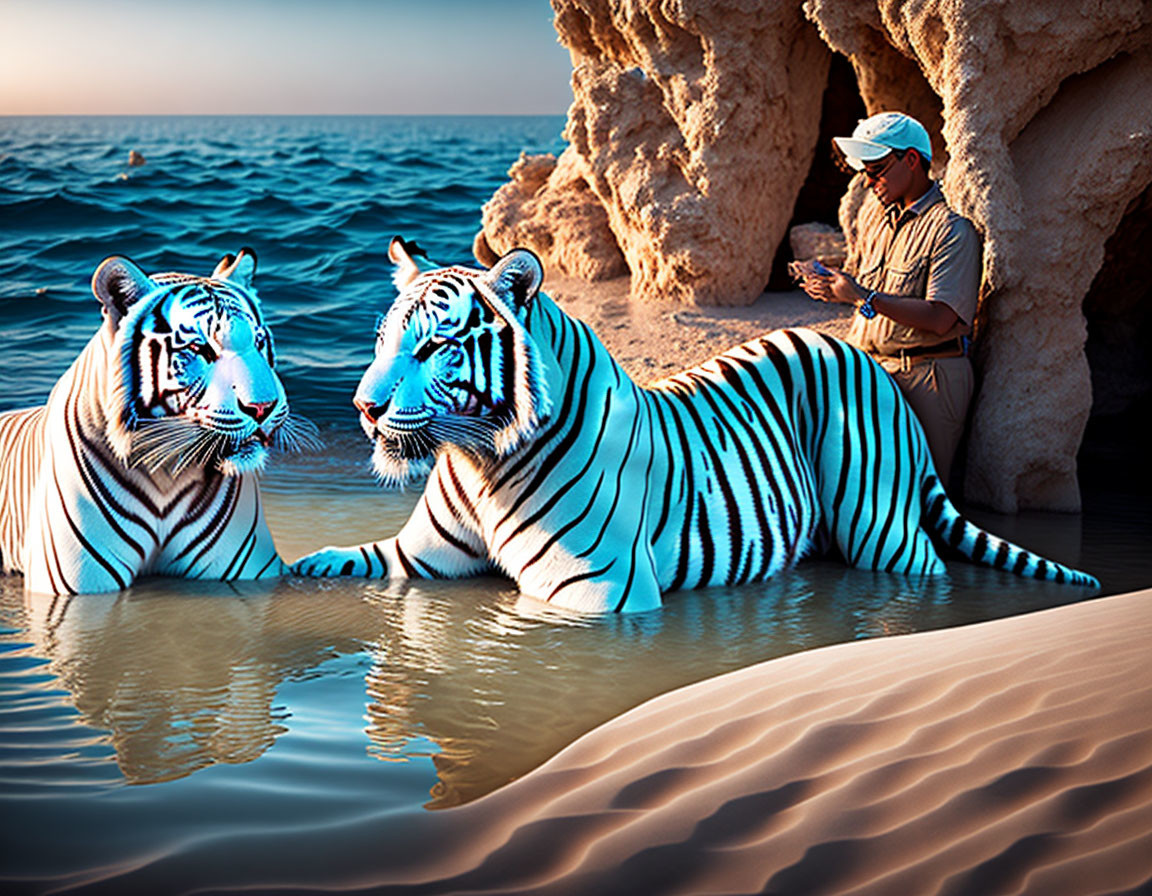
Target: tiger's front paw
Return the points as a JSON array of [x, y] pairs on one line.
[[333, 561]]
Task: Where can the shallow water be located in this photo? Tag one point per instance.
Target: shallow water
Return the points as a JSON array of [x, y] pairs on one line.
[[195, 729], [200, 724]]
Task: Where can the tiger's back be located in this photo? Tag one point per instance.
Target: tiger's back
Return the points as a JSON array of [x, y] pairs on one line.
[[774, 467], [738, 502]]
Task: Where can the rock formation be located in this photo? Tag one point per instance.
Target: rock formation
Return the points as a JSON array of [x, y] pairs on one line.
[[548, 207], [820, 241], [693, 124], [693, 127]]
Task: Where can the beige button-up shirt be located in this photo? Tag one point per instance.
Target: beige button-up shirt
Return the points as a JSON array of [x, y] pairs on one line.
[[926, 251]]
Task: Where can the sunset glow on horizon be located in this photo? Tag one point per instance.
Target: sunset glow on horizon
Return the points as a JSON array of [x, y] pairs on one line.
[[251, 57]]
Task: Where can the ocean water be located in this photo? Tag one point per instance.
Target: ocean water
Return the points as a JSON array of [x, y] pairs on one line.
[[174, 736]]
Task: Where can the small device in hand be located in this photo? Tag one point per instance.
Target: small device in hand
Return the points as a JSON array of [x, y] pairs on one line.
[[799, 270]]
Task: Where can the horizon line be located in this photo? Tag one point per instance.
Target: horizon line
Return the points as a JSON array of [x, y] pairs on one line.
[[281, 114]]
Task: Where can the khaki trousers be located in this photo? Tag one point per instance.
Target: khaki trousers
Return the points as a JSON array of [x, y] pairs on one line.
[[939, 390]]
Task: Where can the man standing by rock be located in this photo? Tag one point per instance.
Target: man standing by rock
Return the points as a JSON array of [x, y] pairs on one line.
[[913, 273]]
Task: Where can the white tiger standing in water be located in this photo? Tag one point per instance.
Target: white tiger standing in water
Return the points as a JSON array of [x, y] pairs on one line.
[[143, 459], [553, 467]]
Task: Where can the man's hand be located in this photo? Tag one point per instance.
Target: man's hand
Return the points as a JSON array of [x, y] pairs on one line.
[[835, 286]]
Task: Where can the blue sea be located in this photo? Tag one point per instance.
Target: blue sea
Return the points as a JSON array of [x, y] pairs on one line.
[[171, 738]]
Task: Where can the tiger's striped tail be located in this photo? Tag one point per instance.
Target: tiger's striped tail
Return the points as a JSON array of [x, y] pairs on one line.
[[944, 522]]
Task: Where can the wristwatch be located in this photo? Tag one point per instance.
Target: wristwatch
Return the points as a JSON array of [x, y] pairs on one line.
[[866, 309]]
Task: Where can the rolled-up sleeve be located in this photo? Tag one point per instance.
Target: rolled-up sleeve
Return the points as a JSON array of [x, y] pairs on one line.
[[954, 268]]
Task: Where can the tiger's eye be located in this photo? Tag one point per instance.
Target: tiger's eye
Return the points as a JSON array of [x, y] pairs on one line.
[[425, 350]]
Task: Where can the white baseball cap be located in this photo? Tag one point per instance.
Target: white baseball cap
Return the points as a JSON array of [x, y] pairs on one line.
[[877, 136]]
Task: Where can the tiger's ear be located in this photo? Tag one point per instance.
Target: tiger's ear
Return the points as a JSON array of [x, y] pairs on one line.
[[400, 253], [118, 283], [517, 275], [240, 268]]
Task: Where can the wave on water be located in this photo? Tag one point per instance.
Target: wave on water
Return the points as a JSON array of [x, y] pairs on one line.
[[317, 198]]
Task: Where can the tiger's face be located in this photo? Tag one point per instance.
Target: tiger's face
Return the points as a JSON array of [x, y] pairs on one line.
[[195, 384], [454, 365]]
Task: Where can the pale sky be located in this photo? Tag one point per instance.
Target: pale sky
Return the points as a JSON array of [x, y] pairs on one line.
[[182, 57]]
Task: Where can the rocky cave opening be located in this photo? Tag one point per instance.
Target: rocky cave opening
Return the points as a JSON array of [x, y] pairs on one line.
[[819, 198], [1118, 310]]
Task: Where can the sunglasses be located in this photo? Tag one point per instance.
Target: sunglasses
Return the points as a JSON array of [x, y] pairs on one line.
[[874, 174]]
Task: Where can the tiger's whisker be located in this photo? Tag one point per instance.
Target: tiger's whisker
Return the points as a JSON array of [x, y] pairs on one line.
[[156, 442], [297, 434]]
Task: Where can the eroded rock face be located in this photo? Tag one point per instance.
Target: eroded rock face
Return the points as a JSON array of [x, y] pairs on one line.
[[1045, 115], [820, 241], [693, 124], [547, 207]]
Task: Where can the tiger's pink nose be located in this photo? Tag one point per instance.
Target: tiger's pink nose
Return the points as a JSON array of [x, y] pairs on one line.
[[369, 410], [258, 410]]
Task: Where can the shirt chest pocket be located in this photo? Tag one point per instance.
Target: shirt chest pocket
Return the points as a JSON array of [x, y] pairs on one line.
[[908, 280]]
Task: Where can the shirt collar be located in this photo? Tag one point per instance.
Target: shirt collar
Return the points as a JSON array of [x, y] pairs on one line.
[[932, 195]]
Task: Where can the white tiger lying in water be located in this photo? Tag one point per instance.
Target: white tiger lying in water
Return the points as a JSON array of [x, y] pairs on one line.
[[593, 493], [143, 459]]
